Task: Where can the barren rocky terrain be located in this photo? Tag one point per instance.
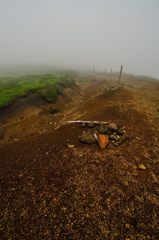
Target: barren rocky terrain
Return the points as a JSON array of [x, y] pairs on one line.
[[52, 191]]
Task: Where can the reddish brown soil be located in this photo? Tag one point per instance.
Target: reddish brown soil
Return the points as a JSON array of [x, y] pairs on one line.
[[49, 191]]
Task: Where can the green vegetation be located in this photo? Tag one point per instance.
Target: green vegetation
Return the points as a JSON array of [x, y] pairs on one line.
[[47, 86]]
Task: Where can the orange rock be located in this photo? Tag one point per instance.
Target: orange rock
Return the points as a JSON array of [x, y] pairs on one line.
[[102, 141]]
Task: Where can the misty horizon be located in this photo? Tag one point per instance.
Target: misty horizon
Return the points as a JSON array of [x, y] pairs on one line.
[[79, 35]]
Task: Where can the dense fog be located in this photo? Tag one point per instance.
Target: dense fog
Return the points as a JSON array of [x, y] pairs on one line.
[[82, 35]]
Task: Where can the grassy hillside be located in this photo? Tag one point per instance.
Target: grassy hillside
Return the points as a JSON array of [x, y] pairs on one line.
[[47, 86]]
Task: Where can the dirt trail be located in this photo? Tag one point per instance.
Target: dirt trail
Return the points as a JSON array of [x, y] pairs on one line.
[[49, 191]]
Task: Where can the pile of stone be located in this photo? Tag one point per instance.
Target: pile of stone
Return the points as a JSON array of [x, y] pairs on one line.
[[102, 133]]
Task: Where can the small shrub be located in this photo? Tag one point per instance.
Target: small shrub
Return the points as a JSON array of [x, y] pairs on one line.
[[54, 110], [49, 94]]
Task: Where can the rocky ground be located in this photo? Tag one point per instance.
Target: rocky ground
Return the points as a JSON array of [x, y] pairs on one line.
[[55, 187]]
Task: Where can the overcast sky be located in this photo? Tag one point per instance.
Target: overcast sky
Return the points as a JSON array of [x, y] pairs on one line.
[[81, 33]]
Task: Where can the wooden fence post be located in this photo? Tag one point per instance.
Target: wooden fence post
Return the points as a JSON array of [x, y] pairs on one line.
[[121, 69], [111, 72]]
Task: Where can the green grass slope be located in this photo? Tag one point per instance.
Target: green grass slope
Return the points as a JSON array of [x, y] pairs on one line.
[[47, 86]]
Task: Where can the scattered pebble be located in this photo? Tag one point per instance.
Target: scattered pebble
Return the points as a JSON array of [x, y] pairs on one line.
[[70, 145], [16, 139], [137, 138], [141, 166], [127, 226]]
